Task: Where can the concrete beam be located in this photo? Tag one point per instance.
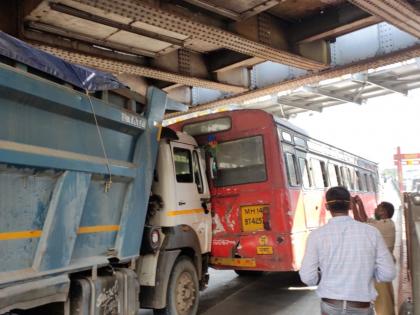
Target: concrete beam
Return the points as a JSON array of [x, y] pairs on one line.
[[364, 78]]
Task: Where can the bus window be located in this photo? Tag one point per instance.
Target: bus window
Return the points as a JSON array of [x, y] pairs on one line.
[[344, 176], [373, 183], [369, 184], [332, 172], [359, 181], [286, 136], [300, 142], [183, 167], [355, 180], [240, 162], [350, 179], [318, 174], [339, 177], [291, 169], [304, 171], [324, 173], [197, 173]]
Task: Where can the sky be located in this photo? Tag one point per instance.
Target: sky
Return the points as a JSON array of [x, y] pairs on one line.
[[372, 130]]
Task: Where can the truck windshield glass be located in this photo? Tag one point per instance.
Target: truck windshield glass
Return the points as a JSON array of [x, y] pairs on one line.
[[240, 162]]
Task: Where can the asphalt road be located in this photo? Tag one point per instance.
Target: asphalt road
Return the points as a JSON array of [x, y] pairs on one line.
[[271, 294]]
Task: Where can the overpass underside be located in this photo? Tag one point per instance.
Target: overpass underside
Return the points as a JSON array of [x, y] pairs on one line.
[[279, 55]]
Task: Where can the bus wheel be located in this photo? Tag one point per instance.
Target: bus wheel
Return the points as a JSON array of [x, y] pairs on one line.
[[249, 273], [183, 290]]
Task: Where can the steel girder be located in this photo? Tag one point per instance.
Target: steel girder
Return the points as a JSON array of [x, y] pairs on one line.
[[119, 67], [397, 12], [308, 79], [138, 11]]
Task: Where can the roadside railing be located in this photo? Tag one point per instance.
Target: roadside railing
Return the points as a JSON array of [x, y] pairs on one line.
[[412, 225]]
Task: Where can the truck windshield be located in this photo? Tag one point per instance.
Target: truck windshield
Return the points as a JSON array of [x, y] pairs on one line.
[[240, 162]]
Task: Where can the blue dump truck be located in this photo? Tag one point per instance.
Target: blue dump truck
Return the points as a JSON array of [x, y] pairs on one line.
[[78, 233]]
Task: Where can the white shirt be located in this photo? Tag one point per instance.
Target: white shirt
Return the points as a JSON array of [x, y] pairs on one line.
[[350, 255]]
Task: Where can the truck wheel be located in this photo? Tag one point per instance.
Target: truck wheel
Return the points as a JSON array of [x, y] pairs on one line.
[[249, 273], [183, 290]]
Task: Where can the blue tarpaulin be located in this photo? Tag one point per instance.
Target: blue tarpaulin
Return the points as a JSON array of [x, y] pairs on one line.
[[80, 76]]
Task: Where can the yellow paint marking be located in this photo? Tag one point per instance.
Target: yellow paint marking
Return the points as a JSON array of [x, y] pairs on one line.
[[234, 262], [182, 212], [98, 229], [159, 133], [19, 235]]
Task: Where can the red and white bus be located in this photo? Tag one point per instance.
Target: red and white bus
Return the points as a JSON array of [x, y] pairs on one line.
[[268, 180]]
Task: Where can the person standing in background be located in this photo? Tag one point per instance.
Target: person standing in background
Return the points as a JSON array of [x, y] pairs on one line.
[[384, 304], [343, 258]]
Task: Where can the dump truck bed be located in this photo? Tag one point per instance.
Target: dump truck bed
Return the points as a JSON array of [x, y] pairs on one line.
[[60, 213]]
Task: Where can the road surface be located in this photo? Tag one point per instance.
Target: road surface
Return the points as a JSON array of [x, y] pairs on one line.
[[271, 294]]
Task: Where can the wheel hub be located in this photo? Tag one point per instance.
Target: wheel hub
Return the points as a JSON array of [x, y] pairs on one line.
[[185, 293]]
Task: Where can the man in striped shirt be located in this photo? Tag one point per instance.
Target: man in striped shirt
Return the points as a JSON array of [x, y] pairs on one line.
[[344, 258]]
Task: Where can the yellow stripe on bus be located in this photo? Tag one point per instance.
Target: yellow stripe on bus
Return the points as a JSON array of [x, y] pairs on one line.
[[182, 212], [19, 235], [98, 229], [234, 262]]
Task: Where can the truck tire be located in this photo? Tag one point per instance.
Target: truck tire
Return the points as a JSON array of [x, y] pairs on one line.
[[249, 273], [183, 289]]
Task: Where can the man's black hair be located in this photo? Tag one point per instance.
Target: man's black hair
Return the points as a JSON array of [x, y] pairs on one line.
[[338, 199], [389, 207]]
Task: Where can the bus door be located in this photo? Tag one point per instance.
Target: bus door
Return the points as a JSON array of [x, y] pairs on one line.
[[312, 196], [309, 194]]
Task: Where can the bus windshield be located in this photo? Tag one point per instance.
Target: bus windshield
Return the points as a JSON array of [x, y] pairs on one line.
[[240, 162]]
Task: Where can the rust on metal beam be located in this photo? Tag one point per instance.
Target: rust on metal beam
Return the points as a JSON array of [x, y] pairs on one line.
[[118, 67], [37, 37], [65, 34], [258, 9], [332, 23], [365, 65], [343, 29], [396, 12], [232, 14], [215, 9], [108, 22], [138, 11]]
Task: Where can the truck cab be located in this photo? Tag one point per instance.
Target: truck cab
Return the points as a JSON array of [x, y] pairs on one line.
[[177, 240]]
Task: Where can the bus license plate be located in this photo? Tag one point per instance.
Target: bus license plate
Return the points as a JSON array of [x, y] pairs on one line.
[[264, 250], [252, 218]]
